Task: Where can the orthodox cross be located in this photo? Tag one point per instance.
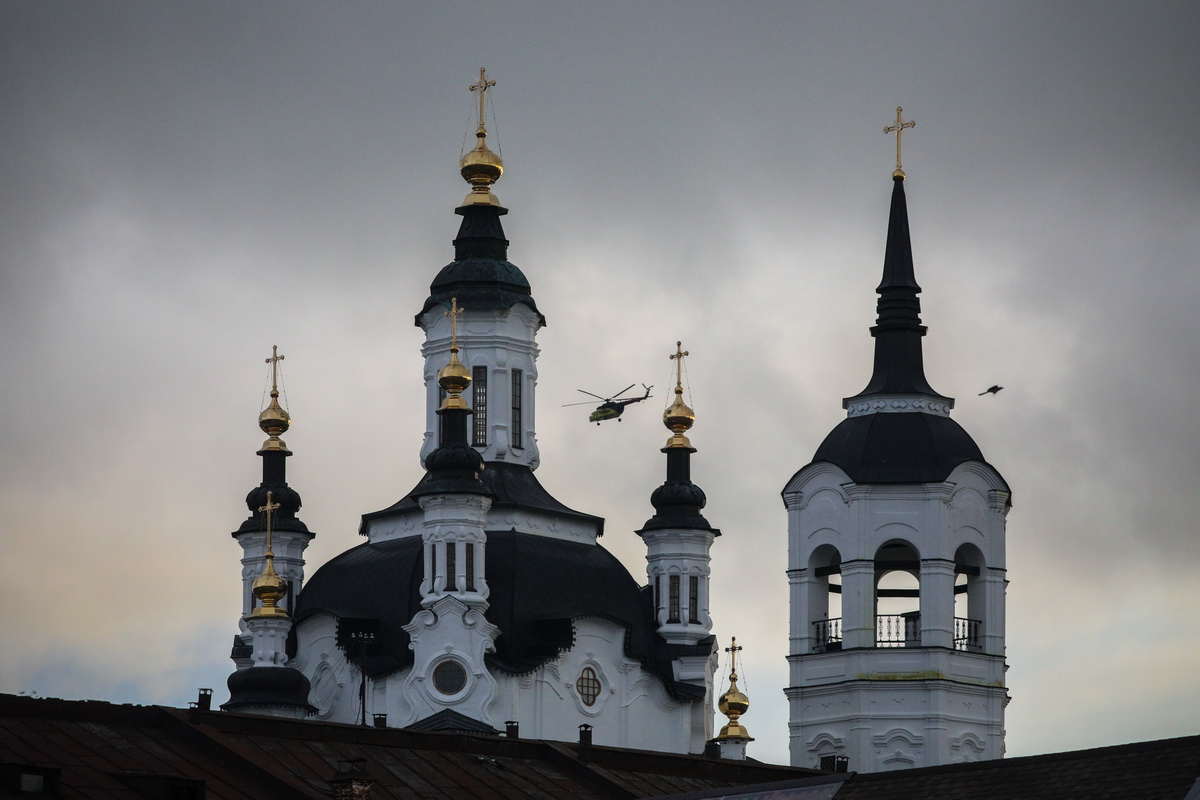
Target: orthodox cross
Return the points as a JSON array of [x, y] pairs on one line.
[[898, 129], [481, 87], [268, 508], [274, 362], [454, 313], [678, 358], [733, 650]]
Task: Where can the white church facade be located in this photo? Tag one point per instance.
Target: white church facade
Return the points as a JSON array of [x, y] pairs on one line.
[[478, 602]]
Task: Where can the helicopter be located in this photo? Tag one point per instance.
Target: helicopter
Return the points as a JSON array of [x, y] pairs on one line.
[[612, 407]]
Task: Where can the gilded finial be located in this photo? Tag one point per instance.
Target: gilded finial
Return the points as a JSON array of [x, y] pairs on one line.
[[733, 703], [898, 129], [274, 420], [454, 377], [481, 167], [679, 418], [268, 587]]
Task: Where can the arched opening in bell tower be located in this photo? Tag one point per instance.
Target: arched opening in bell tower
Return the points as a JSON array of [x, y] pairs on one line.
[[970, 598], [897, 595], [825, 599]]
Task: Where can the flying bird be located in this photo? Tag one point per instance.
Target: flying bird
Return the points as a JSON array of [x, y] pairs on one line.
[[991, 390]]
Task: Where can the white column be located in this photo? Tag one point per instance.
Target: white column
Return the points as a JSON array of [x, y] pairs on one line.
[[858, 603], [937, 602]]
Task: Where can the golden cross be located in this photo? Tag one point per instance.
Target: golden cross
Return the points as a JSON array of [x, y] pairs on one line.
[[274, 362], [678, 356], [269, 507], [733, 650], [898, 129], [454, 313], [481, 87]]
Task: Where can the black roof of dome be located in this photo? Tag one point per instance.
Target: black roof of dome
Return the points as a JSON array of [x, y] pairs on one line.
[[480, 276], [271, 686], [909, 447], [537, 586], [511, 486]]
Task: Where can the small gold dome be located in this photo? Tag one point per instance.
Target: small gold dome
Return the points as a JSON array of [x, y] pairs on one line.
[[274, 421], [733, 702], [454, 378], [481, 168], [679, 419], [269, 588]]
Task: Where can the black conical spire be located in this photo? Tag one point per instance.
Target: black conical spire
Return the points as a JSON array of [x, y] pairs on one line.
[[899, 365]]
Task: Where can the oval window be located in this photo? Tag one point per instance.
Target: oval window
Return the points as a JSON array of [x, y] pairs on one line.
[[588, 686], [449, 677]]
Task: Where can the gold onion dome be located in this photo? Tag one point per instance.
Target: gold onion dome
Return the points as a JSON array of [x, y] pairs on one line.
[[481, 168], [273, 420], [733, 704], [679, 418], [455, 379], [269, 588]]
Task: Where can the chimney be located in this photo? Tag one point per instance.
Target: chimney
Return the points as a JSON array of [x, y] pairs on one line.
[[512, 730], [585, 734], [204, 700], [380, 720]]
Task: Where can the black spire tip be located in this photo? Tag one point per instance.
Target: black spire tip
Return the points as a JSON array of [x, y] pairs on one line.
[[899, 363]]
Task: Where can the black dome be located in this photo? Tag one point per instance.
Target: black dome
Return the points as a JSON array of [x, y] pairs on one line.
[[898, 448], [480, 276], [274, 686], [537, 585], [511, 486]]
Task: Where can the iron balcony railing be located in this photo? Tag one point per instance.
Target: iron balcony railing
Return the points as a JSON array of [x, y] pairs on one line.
[[966, 635], [898, 630], [828, 633], [895, 630]]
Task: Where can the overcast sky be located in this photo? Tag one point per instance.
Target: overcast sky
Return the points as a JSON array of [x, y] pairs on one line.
[[183, 185]]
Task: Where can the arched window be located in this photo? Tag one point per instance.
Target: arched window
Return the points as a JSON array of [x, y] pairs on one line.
[[825, 598], [897, 596], [970, 599], [673, 598]]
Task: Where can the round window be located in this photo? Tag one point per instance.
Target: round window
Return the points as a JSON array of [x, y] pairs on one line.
[[588, 686], [449, 677]]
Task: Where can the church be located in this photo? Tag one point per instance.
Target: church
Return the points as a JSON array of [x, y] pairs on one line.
[[478, 603]]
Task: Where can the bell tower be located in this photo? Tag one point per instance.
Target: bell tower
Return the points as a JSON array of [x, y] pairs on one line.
[[896, 562]]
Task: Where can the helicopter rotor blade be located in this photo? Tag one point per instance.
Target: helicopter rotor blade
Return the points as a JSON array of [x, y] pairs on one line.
[[623, 391], [584, 403], [598, 397]]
